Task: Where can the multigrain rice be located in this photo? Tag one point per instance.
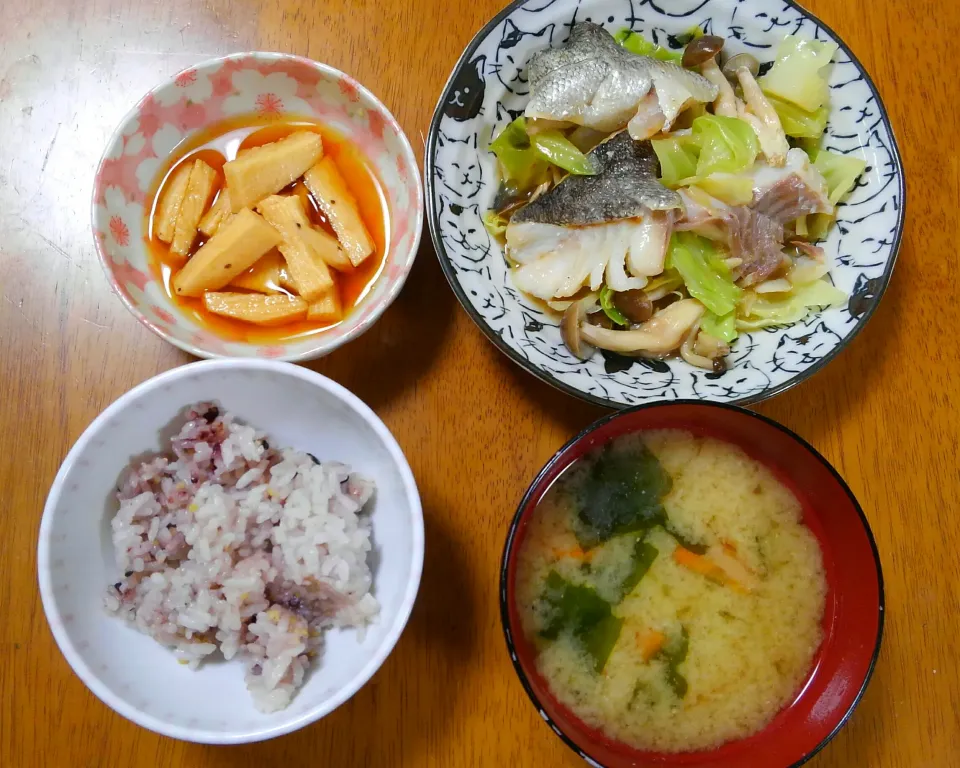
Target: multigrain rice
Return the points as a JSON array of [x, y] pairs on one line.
[[228, 543]]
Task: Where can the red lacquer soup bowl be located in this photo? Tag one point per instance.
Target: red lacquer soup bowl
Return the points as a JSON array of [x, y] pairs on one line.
[[853, 616]]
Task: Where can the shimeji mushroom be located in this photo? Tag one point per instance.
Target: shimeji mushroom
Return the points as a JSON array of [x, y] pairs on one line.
[[661, 334], [763, 119], [570, 327]]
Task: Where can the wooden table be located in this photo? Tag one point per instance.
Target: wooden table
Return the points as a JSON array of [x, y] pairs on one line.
[[474, 426]]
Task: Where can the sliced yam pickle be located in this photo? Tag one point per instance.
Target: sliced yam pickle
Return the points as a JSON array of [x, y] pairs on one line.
[[226, 243], [233, 250], [286, 280], [256, 308], [340, 207], [309, 275], [327, 248], [219, 212], [265, 170], [200, 188], [264, 276], [309, 272], [327, 308], [165, 222]]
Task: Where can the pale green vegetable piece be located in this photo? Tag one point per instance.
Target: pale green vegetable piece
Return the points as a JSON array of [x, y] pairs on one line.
[[494, 223], [790, 307], [839, 171], [559, 150], [797, 74], [720, 327], [608, 307], [798, 122], [727, 144], [703, 272], [678, 158], [726, 187], [519, 161], [638, 44]]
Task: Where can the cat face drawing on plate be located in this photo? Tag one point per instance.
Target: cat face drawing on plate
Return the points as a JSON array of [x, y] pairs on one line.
[[463, 235], [465, 101], [800, 348], [507, 65], [460, 172]]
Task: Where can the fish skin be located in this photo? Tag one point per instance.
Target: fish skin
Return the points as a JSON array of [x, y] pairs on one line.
[[591, 80], [626, 186]]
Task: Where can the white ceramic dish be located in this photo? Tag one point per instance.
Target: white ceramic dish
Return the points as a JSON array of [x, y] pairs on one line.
[[129, 671]]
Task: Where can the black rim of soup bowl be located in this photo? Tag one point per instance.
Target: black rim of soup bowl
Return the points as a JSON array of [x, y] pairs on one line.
[[433, 222], [508, 551]]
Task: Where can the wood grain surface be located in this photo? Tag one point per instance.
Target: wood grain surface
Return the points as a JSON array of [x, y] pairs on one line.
[[475, 427]]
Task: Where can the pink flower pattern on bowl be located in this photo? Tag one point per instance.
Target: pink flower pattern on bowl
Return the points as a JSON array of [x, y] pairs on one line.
[[245, 83]]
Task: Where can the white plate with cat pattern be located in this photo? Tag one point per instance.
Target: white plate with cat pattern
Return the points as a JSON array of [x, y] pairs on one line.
[[488, 88]]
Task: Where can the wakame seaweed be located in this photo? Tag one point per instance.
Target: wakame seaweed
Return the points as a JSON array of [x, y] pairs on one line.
[[619, 492], [673, 654], [580, 610], [643, 556]]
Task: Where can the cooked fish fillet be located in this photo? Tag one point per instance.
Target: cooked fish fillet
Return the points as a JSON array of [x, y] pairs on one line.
[[556, 262], [625, 186], [592, 81]]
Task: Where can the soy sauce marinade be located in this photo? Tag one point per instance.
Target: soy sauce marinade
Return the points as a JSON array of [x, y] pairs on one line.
[[220, 143], [671, 592]]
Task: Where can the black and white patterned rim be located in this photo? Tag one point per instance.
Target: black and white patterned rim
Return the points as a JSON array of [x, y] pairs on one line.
[[763, 374], [557, 457]]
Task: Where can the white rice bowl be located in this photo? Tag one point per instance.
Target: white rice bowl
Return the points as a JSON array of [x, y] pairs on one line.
[[242, 616]]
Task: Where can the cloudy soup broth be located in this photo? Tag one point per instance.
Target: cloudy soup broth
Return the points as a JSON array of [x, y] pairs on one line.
[[671, 592], [222, 142]]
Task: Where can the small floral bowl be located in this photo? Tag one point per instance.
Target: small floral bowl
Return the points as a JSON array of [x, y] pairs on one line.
[[240, 84]]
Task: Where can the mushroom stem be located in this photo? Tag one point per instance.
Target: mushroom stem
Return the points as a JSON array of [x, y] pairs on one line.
[[662, 333], [764, 120], [725, 104], [572, 325], [687, 350]]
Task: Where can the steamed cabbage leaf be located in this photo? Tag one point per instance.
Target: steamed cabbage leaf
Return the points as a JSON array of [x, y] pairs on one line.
[[703, 272], [727, 144], [495, 223], [819, 225], [524, 159], [839, 171], [520, 162], [716, 149], [678, 157], [787, 308], [729, 188], [559, 150], [723, 327], [797, 121], [798, 74], [638, 44], [608, 307]]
